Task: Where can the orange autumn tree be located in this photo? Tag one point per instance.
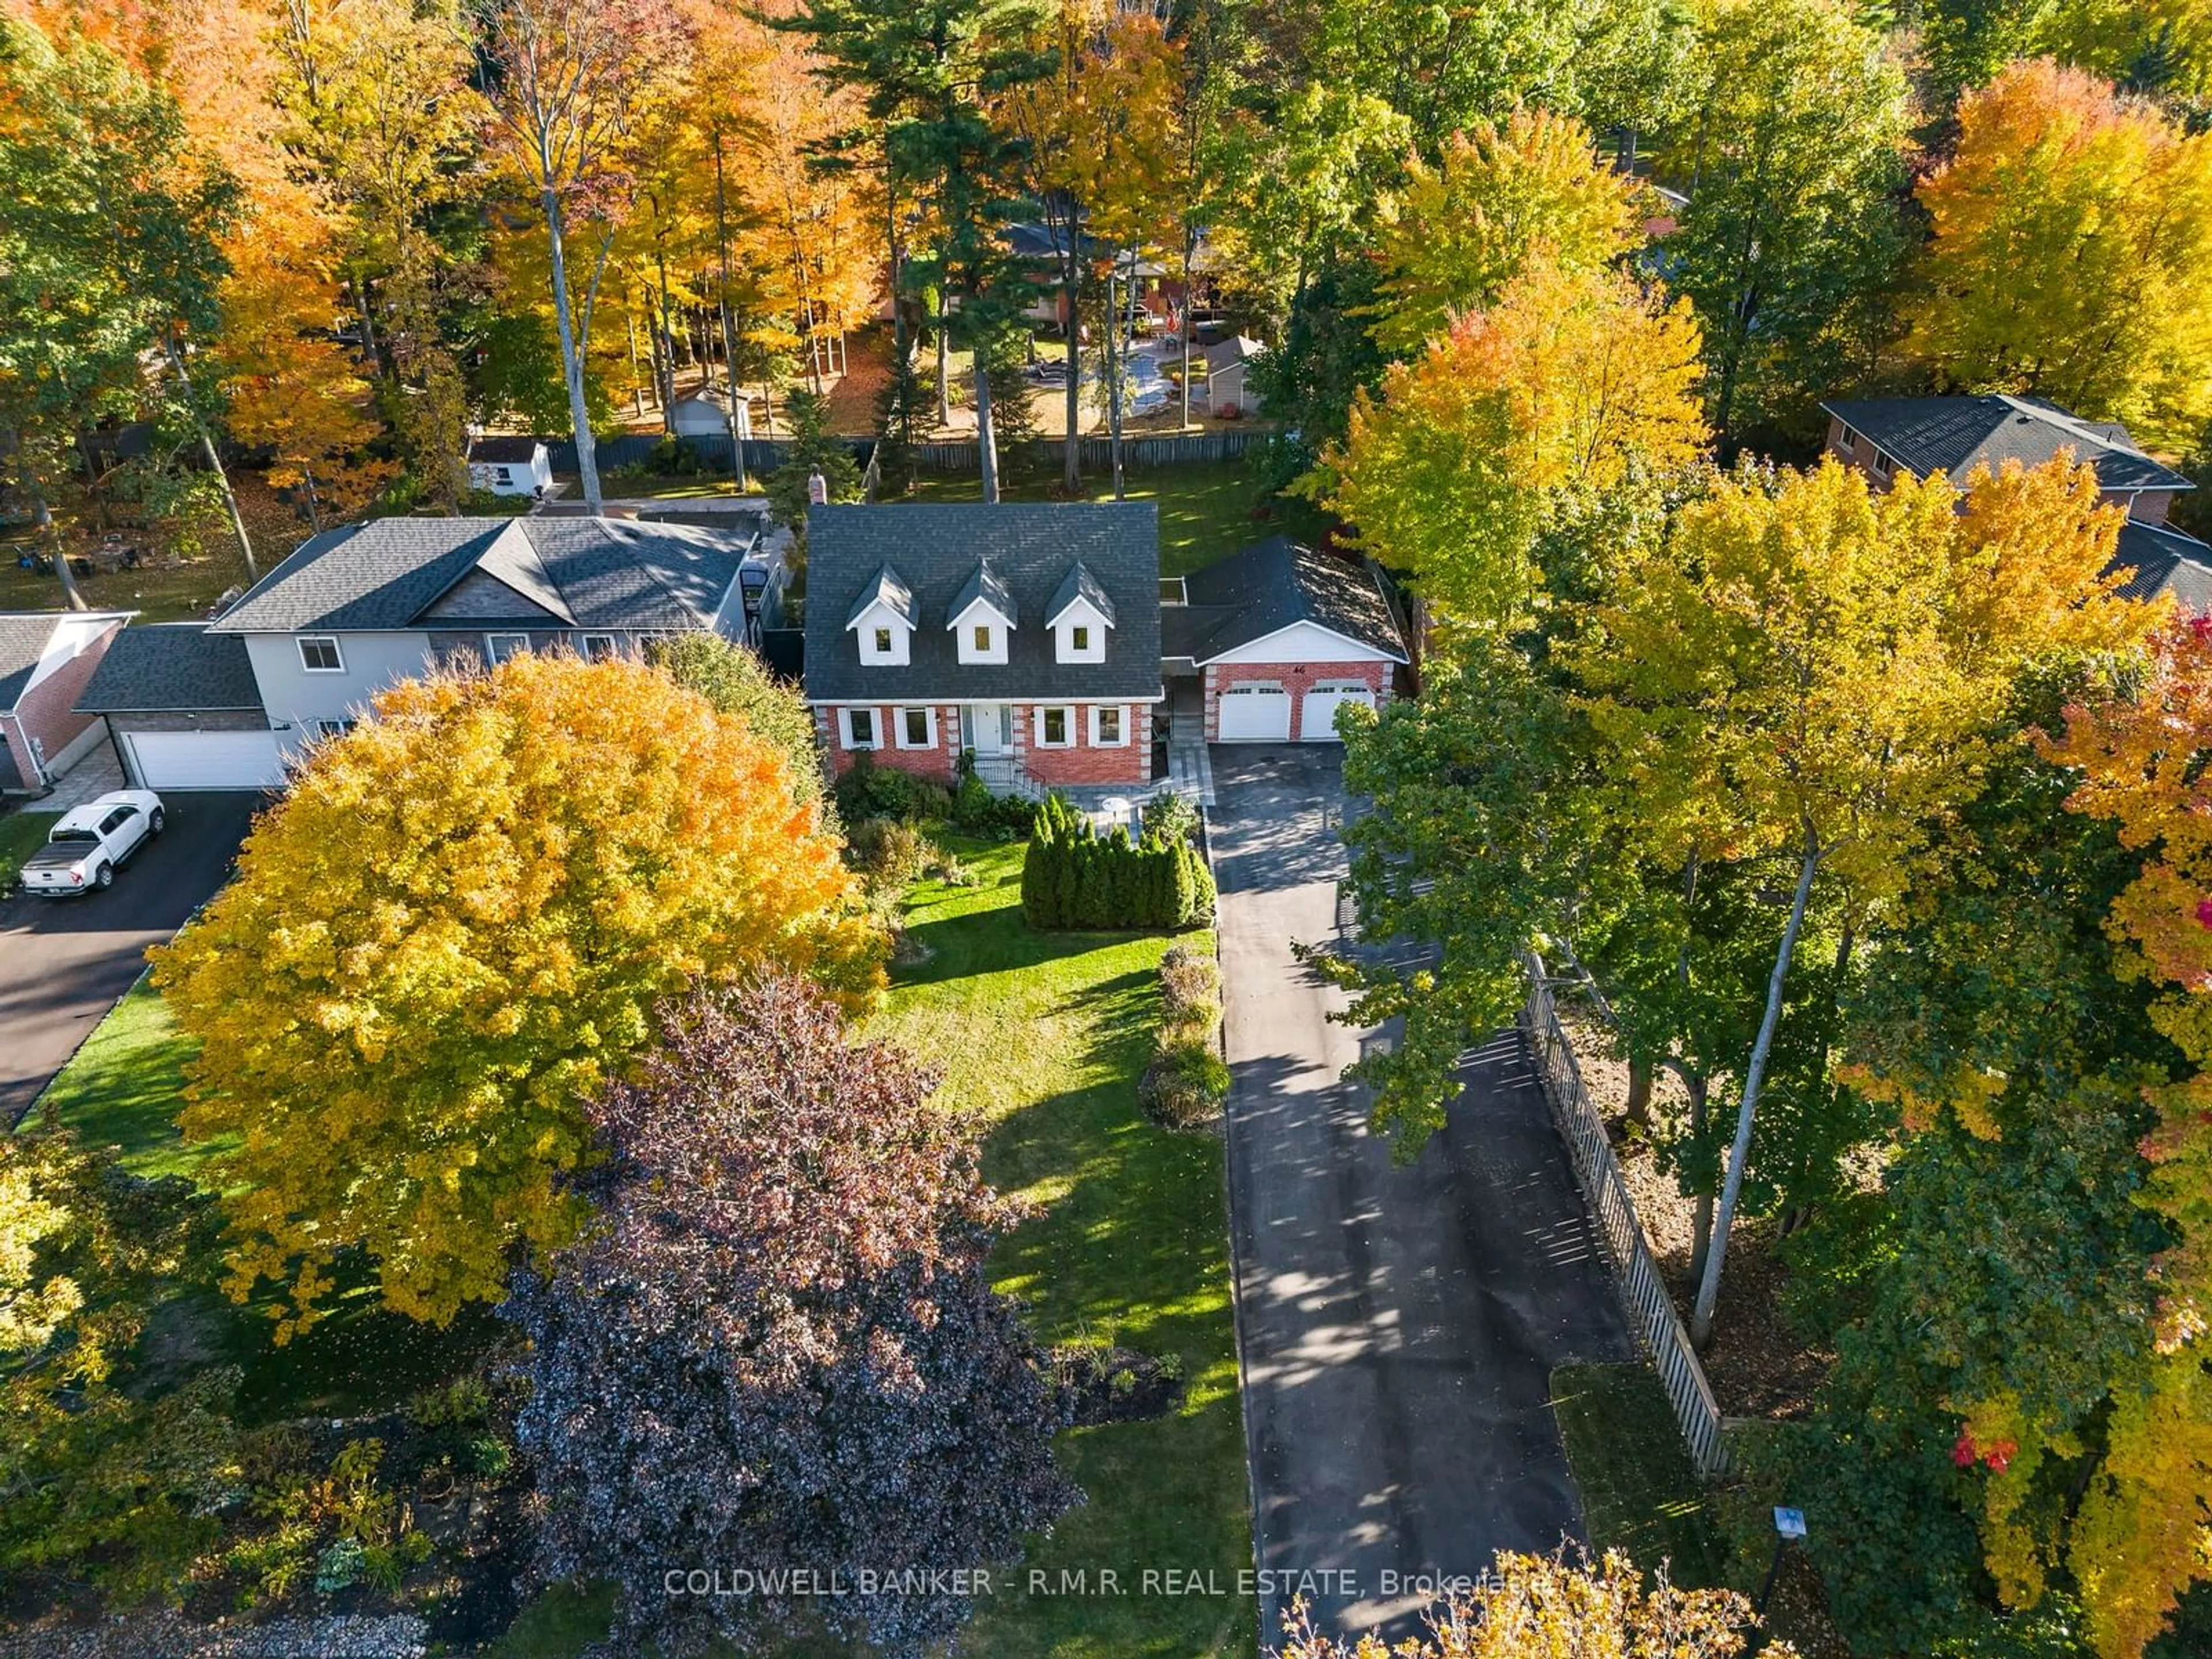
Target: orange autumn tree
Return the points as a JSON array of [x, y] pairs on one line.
[[456, 925], [1573, 381], [2145, 1533], [2072, 253]]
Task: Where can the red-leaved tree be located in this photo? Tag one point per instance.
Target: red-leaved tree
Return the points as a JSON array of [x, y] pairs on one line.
[[778, 1351]]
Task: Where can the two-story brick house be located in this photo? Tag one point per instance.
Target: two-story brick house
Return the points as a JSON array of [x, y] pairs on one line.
[[1027, 633], [1884, 436]]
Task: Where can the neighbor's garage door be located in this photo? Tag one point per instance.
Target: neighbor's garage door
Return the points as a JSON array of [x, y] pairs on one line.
[[207, 760], [1257, 711], [1317, 718]]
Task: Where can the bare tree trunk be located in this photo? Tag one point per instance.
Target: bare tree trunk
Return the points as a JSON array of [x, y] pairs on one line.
[[572, 361], [207, 449], [1189, 327], [1709, 1287], [1113, 371], [1639, 1109], [1071, 474], [987, 440], [1701, 1213], [636, 375], [944, 362], [47, 533], [729, 334]]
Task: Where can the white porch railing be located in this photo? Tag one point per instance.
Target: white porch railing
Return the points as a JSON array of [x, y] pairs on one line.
[[1605, 1192]]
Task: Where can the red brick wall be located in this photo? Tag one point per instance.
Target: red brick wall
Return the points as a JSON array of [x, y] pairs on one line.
[[1082, 766], [1296, 678], [940, 764], [47, 711]]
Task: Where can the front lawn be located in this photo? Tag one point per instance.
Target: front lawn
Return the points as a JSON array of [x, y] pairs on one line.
[[1640, 1493], [22, 834]]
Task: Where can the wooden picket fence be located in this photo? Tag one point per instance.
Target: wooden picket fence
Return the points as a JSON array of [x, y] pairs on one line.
[[1606, 1191]]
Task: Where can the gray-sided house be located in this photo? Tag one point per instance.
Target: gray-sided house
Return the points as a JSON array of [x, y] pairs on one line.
[[1884, 436], [358, 609], [45, 657], [1278, 638]]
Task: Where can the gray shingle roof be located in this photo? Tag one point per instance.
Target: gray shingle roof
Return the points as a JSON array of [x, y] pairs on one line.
[[594, 573], [504, 450], [1237, 349], [22, 642], [171, 666], [1271, 585], [24, 637], [1956, 434], [1030, 547], [2159, 560], [889, 590], [1080, 584]]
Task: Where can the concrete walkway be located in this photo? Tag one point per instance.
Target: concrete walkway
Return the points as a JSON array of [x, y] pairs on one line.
[[1398, 1325]]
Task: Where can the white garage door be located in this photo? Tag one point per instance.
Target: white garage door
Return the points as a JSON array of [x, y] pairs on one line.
[[1257, 711], [207, 760], [1317, 718]]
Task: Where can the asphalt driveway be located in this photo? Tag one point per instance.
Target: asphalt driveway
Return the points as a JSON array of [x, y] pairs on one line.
[[1398, 1325], [64, 962]]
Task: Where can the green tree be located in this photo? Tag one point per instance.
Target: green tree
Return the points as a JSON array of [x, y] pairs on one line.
[[812, 448], [108, 248], [1790, 240], [736, 681], [437, 943]]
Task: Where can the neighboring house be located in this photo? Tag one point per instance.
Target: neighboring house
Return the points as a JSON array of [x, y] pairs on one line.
[[706, 415], [358, 609], [1027, 633], [46, 658], [1282, 637], [1226, 383], [184, 709], [510, 466], [1883, 436]]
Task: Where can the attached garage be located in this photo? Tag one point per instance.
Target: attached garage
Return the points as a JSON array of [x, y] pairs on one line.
[[1282, 637], [185, 710], [205, 760], [1317, 714], [1257, 711]]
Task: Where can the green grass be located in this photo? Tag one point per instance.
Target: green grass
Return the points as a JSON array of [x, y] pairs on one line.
[[1205, 510], [22, 834], [182, 594], [1640, 1493], [124, 1087]]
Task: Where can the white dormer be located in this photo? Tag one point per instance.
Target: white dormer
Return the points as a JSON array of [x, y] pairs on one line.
[[983, 618], [1079, 617], [882, 618]]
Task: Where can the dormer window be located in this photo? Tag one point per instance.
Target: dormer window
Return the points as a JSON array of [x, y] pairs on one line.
[[881, 621], [982, 616], [1079, 617]]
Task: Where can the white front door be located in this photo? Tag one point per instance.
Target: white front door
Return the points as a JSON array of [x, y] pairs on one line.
[[987, 728], [1255, 711]]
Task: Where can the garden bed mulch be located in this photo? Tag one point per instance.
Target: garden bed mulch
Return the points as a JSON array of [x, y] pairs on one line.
[[1759, 1364], [1115, 1385]]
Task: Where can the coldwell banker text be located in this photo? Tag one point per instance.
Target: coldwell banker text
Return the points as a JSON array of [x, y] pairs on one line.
[[829, 1582]]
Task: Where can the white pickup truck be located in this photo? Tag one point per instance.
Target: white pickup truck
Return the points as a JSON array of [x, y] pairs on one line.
[[84, 850]]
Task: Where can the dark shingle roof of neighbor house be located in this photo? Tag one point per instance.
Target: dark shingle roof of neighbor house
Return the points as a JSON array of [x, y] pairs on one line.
[[2160, 560], [1237, 349], [497, 449], [24, 636], [171, 666], [935, 549], [1956, 434], [392, 574], [1271, 585]]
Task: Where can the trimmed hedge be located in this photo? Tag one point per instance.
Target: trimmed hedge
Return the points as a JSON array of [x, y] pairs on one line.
[[1072, 877]]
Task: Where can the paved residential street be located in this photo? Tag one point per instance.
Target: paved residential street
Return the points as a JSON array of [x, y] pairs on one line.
[[1399, 1325], [64, 962]]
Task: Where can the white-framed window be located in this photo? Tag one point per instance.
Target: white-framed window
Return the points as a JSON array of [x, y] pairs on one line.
[[979, 639], [504, 476], [1851, 440], [1883, 465], [881, 638], [883, 642], [916, 727], [318, 655], [598, 647], [1110, 726], [860, 730], [1055, 728], [1078, 638], [498, 648]]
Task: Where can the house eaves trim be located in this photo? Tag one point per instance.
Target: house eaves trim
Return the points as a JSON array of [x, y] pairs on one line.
[[1374, 653]]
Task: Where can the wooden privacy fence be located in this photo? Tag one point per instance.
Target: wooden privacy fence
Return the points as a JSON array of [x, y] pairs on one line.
[[711, 452], [1605, 1192]]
